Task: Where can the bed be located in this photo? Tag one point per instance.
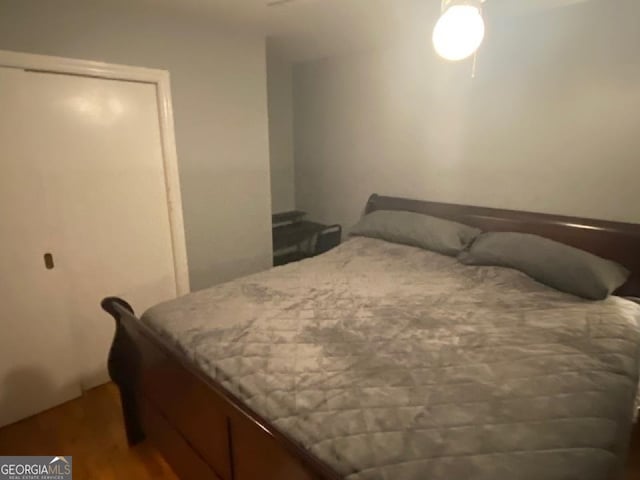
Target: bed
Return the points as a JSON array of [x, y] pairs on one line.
[[385, 361]]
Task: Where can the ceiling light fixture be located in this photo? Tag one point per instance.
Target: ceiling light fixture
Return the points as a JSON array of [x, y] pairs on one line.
[[460, 29]]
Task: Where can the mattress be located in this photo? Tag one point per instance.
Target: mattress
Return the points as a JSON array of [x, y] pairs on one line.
[[394, 363]]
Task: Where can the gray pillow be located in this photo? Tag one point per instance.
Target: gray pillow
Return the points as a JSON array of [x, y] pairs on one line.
[[557, 265], [417, 230]]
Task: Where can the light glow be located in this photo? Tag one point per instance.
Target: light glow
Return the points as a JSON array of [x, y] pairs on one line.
[[459, 32]]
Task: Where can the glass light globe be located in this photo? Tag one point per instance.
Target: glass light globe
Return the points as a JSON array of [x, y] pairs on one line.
[[459, 32]]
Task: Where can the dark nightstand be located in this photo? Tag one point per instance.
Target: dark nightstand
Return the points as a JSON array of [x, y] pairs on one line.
[[295, 238]]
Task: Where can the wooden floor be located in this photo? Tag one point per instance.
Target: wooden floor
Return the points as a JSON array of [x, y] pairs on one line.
[[90, 428]]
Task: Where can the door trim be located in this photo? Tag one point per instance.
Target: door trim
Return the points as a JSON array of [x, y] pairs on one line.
[[160, 78]]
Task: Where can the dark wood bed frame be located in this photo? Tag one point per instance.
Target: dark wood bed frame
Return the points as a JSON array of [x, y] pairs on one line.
[[204, 432]]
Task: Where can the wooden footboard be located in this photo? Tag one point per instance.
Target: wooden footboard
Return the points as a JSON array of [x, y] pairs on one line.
[[202, 430]]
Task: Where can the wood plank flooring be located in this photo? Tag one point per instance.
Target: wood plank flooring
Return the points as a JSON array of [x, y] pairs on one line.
[[90, 428]]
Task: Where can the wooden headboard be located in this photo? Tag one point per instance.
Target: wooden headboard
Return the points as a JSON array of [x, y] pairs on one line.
[[616, 241]]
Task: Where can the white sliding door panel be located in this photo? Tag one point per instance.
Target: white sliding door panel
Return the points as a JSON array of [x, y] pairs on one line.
[[37, 367], [104, 173], [82, 177]]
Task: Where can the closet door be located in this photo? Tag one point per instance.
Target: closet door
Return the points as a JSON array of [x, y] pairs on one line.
[[81, 178], [37, 367], [105, 176]]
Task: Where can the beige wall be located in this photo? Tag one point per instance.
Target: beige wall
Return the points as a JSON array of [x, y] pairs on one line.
[[279, 88], [550, 124], [219, 93]]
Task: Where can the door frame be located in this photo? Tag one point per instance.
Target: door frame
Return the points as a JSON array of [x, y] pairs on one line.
[[161, 80]]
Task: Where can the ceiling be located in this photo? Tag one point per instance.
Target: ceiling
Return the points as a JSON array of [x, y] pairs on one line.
[[307, 29]]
